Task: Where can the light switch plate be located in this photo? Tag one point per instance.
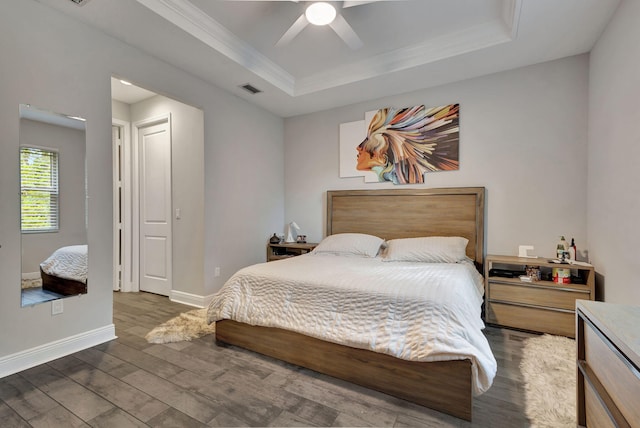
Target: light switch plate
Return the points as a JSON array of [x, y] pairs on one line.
[[57, 307]]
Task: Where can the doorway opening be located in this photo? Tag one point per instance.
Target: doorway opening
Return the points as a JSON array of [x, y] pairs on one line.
[[142, 197], [159, 230]]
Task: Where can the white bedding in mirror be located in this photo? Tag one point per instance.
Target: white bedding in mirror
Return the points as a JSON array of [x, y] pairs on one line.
[[67, 262]]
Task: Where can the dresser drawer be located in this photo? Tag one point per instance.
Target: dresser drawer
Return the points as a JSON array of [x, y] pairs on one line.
[[527, 318], [614, 372], [535, 296], [597, 415]]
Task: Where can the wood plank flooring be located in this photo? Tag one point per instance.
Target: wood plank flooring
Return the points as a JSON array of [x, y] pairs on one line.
[[130, 383]]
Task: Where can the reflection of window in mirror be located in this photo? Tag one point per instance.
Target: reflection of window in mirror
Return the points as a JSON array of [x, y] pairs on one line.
[[38, 190]]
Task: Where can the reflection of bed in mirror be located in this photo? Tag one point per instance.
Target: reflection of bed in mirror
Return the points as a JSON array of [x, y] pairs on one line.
[[447, 386], [65, 271]]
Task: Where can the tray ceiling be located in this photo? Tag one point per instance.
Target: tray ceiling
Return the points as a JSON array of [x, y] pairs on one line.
[[408, 44]]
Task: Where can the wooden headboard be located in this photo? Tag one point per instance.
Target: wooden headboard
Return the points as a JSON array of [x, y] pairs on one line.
[[409, 213]]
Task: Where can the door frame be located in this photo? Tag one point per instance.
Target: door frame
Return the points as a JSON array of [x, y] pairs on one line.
[[122, 165], [130, 267]]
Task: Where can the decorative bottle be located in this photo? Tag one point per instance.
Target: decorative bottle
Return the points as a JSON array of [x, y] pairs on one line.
[[562, 248], [573, 251]]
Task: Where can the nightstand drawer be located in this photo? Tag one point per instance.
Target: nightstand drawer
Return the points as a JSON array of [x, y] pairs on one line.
[[529, 318], [614, 372], [531, 295]]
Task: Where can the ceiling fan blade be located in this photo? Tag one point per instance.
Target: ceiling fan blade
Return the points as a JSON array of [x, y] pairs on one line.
[[346, 33], [293, 31], [357, 2]]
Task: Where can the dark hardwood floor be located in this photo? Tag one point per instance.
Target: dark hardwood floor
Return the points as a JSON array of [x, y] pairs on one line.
[[128, 382]]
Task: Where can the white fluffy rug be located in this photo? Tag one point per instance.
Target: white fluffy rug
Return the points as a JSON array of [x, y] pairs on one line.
[[186, 326], [549, 369], [31, 283]]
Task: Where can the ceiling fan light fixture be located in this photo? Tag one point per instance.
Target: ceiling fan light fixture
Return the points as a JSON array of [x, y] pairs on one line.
[[320, 13]]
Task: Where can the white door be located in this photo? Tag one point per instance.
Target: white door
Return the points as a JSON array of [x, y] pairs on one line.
[[154, 145]]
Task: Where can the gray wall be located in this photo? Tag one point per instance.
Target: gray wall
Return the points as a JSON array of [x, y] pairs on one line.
[[70, 144], [62, 65], [614, 155], [523, 137]]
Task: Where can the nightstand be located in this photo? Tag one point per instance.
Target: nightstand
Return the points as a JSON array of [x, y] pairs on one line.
[[543, 306], [286, 250]]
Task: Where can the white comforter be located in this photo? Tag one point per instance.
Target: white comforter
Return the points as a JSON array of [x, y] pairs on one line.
[[68, 263], [413, 311]]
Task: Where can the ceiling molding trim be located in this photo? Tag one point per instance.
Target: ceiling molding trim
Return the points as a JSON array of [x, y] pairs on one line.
[[511, 16], [194, 21], [446, 46], [203, 27]]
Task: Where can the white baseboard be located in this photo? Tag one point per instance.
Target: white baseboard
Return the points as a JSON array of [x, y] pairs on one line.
[[23, 360], [190, 299]]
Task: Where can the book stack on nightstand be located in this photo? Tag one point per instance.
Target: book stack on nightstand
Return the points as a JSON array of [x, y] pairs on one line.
[[286, 250], [538, 305]]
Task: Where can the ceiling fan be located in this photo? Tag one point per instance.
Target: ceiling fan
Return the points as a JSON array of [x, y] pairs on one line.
[[325, 13]]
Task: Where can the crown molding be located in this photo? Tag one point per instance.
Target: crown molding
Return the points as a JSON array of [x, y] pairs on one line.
[[447, 46], [511, 16], [432, 50], [194, 21]]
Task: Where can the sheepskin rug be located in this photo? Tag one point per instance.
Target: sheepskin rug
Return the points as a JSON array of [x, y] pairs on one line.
[[186, 326], [549, 369]]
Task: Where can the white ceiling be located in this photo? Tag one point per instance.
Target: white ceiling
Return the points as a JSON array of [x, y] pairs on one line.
[[408, 44], [129, 94], [27, 111]]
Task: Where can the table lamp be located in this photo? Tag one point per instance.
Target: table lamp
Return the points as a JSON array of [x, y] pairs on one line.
[[291, 226]]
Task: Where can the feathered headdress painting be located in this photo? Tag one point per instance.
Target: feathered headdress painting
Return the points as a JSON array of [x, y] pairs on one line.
[[401, 145]]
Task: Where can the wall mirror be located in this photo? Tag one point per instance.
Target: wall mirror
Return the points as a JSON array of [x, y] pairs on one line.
[[53, 200]]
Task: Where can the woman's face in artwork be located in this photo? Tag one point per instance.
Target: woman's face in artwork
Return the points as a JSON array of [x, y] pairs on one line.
[[368, 159]]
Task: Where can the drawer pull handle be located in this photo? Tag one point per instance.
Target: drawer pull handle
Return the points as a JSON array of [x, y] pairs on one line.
[[546, 308]]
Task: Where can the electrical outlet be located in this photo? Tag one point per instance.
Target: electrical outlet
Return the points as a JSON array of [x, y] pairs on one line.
[[216, 271], [57, 307]]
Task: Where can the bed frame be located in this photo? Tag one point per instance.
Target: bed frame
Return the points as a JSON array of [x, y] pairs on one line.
[[445, 386], [66, 287]]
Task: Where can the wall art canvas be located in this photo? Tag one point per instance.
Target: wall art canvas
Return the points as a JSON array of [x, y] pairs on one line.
[[400, 145]]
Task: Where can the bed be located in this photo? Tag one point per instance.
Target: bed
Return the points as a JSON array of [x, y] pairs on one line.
[[448, 385], [65, 271]]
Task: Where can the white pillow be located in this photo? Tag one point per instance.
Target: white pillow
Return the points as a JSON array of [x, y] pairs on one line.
[[432, 249], [350, 244]]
